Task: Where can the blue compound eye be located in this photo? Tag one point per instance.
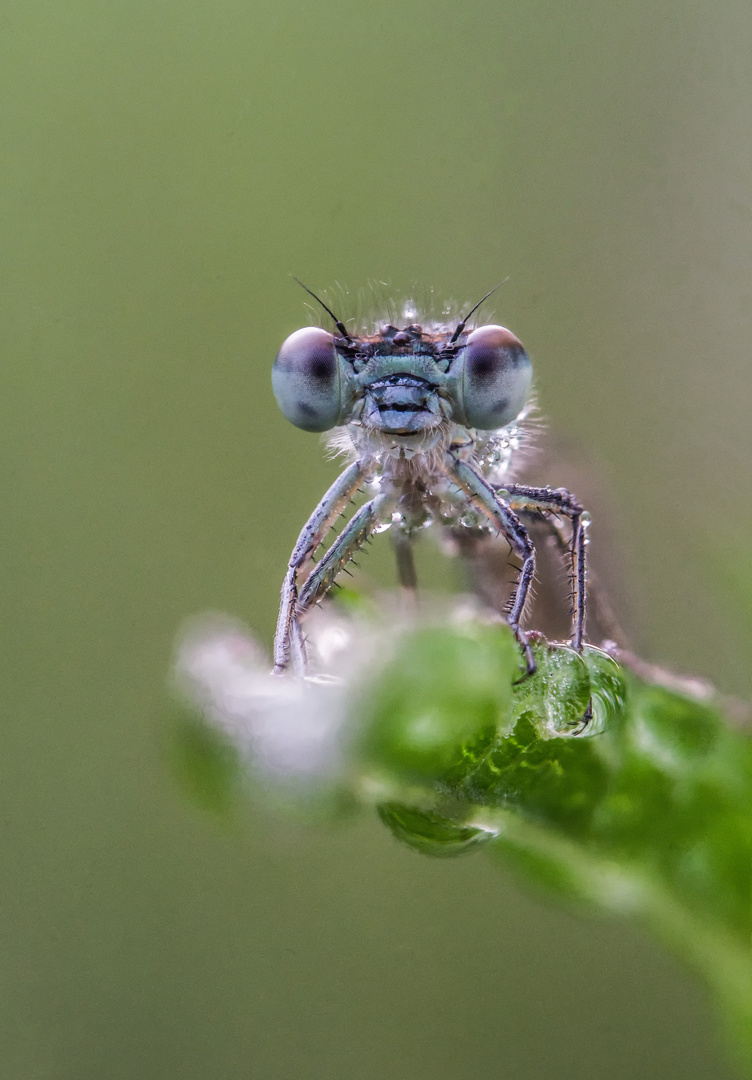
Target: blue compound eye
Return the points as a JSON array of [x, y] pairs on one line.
[[307, 380], [490, 379]]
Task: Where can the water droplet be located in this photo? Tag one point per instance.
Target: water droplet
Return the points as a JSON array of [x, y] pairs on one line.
[[431, 833], [607, 687], [558, 693]]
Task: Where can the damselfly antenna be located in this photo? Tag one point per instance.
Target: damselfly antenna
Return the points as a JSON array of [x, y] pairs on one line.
[[337, 322], [461, 326]]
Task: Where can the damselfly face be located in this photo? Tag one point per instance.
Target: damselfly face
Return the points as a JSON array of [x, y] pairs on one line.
[[429, 418], [402, 381]]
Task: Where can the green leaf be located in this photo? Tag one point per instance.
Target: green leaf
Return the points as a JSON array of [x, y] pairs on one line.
[[442, 686], [598, 785], [642, 808]]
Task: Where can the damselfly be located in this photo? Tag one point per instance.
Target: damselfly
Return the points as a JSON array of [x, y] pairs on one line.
[[431, 418]]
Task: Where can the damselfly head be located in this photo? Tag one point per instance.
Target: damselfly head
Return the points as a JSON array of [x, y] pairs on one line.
[[402, 379]]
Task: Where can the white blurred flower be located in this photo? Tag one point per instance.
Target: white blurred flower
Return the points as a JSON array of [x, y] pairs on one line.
[[288, 730]]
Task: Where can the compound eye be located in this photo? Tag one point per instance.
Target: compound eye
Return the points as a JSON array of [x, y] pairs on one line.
[[306, 379], [491, 378]]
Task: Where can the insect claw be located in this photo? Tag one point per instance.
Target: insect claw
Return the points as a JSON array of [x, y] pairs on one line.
[[587, 716]]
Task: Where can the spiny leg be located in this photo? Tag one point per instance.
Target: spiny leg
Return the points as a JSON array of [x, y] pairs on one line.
[[501, 516], [352, 537], [560, 501], [599, 605], [321, 520]]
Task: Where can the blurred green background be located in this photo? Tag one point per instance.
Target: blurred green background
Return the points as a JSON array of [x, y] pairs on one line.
[[165, 166]]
